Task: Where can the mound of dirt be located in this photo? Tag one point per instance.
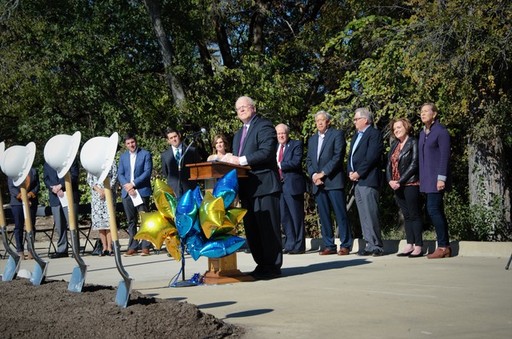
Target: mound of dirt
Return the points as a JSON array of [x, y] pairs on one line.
[[51, 311]]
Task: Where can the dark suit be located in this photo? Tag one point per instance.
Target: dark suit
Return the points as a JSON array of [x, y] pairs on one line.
[[365, 159], [17, 206], [141, 179], [259, 194], [330, 194], [292, 197], [60, 215], [171, 173]]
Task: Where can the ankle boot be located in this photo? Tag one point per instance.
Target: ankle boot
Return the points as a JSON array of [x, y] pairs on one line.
[[440, 252]]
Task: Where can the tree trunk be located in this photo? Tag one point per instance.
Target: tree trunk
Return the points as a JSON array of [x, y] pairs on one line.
[[257, 23], [487, 176], [174, 84]]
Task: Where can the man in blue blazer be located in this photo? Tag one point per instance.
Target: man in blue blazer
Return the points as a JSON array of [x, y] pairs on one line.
[[364, 170], [326, 150], [177, 176], [134, 174], [255, 145], [57, 188], [289, 161]]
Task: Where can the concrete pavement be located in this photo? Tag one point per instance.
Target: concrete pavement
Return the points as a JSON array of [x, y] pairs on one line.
[[465, 296]]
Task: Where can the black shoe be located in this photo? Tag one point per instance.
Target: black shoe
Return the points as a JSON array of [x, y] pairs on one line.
[[377, 253], [364, 253], [296, 252], [106, 253], [58, 255]]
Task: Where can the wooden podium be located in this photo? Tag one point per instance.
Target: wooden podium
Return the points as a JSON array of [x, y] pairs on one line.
[[220, 270]]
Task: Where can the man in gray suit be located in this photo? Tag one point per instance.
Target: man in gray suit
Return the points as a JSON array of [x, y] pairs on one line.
[[364, 171]]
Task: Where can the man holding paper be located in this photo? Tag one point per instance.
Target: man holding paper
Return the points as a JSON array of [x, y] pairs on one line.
[[59, 204], [134, 173]]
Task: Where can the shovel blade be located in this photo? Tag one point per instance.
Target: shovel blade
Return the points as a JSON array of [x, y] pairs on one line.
[[123, 292], [11, 269], [76, 283], [39, 273]]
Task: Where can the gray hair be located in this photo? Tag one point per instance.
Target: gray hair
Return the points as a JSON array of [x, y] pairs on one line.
[[365, 113], [285, 126], [324, 113]]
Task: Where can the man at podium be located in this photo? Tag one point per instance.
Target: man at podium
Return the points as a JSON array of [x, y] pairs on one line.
[[255, 145]]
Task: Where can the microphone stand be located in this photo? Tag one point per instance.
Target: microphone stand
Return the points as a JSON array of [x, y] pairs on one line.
[[183, 282]]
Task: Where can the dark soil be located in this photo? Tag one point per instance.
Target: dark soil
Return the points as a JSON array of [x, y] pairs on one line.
[[51, 311]]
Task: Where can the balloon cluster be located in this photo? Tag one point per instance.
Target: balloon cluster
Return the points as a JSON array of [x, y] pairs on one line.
[[204, 224]]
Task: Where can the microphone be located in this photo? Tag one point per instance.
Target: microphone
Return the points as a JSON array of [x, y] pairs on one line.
[[198, 133]]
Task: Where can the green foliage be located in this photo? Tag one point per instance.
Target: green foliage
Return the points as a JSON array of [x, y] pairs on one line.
[[475, 222]]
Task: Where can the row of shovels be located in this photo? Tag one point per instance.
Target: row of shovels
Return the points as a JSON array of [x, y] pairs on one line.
[[97, 156]]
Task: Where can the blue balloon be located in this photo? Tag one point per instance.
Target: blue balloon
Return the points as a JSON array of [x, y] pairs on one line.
[[198, 196], [227, 188], [222, 246], [195, 244], [186, 203]]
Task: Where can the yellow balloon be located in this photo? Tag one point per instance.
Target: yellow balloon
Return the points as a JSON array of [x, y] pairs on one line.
[[165, 203], [211, 214], [235, 215], [172, 244], [154, 227]]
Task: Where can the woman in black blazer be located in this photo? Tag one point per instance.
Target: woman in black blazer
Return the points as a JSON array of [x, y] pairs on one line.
[[403, 178]]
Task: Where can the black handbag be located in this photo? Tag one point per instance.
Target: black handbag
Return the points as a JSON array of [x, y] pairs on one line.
[[98, 248]]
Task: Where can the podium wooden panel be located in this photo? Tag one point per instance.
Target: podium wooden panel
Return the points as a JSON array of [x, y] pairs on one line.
[[220, 270]]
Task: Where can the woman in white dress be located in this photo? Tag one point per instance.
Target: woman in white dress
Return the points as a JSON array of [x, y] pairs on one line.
[[99, 210]]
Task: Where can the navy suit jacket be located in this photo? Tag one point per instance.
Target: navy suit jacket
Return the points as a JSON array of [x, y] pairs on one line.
[[51, 178], [291, 167], [170, 169], [33, 187], [330, 160], [260, 151], [367, 157], [141, 174]]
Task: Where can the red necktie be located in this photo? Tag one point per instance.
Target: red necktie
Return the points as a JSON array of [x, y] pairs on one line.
[[280, 159]]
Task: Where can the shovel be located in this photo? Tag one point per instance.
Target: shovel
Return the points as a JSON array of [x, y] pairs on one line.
[[125, 285], [76, 283], [40, 268], [13, 263]]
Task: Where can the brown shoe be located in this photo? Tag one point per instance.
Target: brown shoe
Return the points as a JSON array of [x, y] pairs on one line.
[[29, 256], [440, 252], [21, 255], [344, 251], [327, 251], [145, 252], [130, 253]]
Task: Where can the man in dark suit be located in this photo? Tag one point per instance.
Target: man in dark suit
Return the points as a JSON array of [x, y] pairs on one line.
[[174, 161], [289, 161], [326, 150], [56, 191], [364, 171], [134, 174], [255, 145]]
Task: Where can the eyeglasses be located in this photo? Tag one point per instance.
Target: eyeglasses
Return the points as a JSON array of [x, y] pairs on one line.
[[242, 107], [356, 119]]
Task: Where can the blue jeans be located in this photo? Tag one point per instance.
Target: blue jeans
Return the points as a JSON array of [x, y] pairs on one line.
[[435, 210]]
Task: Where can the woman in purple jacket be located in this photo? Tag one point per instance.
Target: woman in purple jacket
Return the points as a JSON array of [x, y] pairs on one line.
[[434, 151]]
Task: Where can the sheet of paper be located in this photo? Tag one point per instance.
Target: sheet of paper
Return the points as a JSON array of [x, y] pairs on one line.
[[63, 200], [137, 199]]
